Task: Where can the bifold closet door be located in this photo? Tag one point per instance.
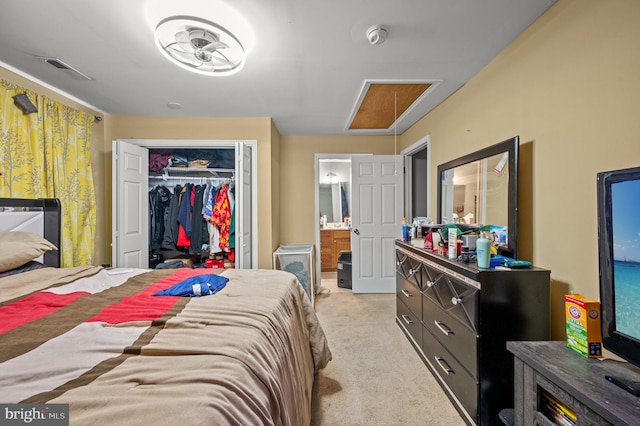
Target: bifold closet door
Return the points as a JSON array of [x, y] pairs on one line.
[[130, 204], [243, 215]]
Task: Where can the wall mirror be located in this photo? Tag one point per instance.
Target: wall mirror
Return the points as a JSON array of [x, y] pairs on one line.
[[481, 188], [334, 180]]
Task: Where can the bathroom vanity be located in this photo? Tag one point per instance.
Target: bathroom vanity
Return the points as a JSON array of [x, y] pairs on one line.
[[332, 242]]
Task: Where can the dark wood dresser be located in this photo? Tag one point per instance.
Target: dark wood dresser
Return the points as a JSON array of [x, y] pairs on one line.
[[459, 319]]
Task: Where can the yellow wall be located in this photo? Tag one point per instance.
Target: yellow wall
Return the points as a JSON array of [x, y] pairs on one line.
[[259, 129], [569, 87], [297, 177]]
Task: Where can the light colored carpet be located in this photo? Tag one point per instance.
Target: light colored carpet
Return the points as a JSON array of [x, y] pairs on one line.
[[375, 377]]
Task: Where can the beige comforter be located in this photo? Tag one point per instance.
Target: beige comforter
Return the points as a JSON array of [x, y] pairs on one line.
[[244, 356]]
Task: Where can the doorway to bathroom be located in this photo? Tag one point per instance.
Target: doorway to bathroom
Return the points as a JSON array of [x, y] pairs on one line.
[[415, 199], [333, 210]]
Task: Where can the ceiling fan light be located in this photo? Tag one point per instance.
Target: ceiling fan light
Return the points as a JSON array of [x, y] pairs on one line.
[[199, 45]]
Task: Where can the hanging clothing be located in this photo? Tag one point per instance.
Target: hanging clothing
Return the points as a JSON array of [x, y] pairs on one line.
[[192, 218], [199, 231], [207, 213], [232, 221], [221, 216], [184, 216], [159, 202], [170, 237]]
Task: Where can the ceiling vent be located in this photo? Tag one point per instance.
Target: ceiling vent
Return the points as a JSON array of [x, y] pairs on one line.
[[70, 71]]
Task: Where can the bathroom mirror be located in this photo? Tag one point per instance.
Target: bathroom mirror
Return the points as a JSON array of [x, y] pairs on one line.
[[334, 180], [481, 188]]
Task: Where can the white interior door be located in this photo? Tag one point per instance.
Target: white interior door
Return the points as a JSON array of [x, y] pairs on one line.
[[377, 206], [130, 201], [243, 215]]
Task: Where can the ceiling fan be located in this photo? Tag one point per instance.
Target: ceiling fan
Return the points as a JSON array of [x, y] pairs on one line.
[[199, 45], [204, 46]]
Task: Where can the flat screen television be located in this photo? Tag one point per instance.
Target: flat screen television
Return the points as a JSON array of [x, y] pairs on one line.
[[619, 261]]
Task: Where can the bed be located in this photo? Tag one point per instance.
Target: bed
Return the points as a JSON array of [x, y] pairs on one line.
[[102, 341]]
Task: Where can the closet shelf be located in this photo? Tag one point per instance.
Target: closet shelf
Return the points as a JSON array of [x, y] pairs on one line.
[[195, 172]]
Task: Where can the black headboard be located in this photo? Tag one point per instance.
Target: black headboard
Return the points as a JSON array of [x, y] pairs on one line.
[[52, 221]]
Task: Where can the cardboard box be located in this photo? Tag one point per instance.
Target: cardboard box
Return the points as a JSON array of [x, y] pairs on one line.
[[583, 325]]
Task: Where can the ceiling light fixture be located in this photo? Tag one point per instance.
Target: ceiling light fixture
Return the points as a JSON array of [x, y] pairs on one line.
[[331, 177], [199, 45]]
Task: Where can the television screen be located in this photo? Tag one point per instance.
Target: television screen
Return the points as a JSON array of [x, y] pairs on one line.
[[619, 248], [625, 208]]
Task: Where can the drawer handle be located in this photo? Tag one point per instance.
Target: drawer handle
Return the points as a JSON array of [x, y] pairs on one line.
[[456, 300], [446, 330], [412, 272], [406, 293], [431, 284], [443, 364], [407, 319]]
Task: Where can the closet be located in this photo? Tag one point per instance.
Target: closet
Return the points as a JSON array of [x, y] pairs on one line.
[[192, 207], [183, 201]]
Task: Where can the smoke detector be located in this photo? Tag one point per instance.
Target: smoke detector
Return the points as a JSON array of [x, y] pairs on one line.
[[377, 34]]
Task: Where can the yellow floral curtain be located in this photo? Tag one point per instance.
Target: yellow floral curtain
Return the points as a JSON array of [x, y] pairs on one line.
[[48, 155]]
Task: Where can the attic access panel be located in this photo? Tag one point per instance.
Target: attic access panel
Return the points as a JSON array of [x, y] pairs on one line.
[[383, 103]]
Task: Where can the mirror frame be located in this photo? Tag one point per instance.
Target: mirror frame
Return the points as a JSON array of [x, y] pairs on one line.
[[511, 146]]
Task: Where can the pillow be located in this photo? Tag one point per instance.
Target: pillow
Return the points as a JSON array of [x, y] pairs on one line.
[[29, 266], [18, 248]]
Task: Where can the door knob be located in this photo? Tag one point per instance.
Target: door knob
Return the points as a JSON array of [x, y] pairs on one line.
[[355, 231]]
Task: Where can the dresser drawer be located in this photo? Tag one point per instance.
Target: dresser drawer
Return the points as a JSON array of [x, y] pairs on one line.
[[409, 268], [453, 335], [410, 295], [453, 295], [409, 321], [456, 378]]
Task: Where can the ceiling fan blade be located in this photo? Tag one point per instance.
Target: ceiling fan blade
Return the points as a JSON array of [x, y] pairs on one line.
[[184, 41], [215, 46], [182, 56], [221, 60]]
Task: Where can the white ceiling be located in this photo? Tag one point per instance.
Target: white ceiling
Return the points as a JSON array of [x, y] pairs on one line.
[[306, 70]]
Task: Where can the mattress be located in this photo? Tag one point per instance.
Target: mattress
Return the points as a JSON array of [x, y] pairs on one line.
[[101, 341]]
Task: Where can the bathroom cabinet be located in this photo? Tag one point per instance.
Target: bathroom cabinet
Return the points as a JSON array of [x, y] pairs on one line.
[[332, 242]]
